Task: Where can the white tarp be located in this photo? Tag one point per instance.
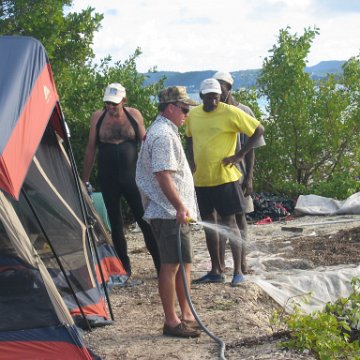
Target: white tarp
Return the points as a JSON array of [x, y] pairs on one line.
[[311, 289], [291, 281], [318, 205]]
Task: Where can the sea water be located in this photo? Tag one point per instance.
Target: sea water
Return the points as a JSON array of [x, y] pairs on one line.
[[262, 101]]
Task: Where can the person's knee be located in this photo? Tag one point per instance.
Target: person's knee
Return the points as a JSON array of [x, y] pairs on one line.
[[241, 221], [229, 221], [169, 268]]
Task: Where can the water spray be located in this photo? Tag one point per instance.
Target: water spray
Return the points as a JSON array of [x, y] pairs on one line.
[[220, 229]]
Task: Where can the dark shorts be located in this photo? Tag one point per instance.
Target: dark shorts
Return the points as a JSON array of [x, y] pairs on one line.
[[227, 199], [166, 234]]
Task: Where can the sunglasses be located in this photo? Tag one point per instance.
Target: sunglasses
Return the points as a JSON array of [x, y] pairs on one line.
[[109, 103], [185, 111]]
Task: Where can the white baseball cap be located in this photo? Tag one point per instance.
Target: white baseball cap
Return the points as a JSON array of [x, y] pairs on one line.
[[224, 76], [114, 93], [210, 86]]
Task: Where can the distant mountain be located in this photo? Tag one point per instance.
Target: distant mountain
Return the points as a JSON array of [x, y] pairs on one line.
[[325, 67], [192, 79], [242, 78]]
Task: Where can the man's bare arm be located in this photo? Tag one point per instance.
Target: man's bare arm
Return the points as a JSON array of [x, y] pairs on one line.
[[136, 114], [235, 159], [90, 151], [249, 160]]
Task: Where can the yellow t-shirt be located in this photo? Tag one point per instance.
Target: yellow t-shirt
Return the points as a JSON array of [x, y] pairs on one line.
[[214, 136]]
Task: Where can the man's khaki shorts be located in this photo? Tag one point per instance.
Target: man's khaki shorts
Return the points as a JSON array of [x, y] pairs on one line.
[[166, 235]]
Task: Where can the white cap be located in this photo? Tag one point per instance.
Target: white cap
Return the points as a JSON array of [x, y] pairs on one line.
[[224, 76], [210, 86], [114, 93]]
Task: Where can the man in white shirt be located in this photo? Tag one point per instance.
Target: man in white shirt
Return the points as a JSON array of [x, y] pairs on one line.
[[167, 189]]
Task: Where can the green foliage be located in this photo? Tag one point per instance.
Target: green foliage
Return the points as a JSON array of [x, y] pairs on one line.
[[341, 186], [328, 333], [312, 128], [67, 38], [249, 97]]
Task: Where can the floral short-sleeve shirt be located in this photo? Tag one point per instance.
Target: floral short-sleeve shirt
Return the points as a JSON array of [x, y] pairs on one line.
[[162, 150]]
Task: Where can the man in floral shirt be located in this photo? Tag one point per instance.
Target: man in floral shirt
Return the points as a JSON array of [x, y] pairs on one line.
[[167, 189]]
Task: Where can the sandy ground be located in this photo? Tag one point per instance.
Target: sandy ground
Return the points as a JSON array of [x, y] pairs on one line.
[[239, 317]]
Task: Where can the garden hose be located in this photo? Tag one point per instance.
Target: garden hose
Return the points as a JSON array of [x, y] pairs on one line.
[[183, 274]]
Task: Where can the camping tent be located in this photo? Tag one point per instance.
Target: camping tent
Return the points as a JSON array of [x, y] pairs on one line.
[[28, 97], [40, 189], [35, 322], [50, 210], [50, 202]]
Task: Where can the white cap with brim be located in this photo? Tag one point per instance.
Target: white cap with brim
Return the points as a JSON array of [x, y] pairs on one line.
[[224, 76], [210, 86], [114, 93]]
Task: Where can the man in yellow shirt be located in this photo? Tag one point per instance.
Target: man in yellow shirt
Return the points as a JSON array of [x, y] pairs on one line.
[[212, 130], [246, 167]]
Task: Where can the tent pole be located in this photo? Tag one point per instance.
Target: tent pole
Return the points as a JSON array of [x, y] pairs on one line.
[[85, 212], [89, 235], [103, 281], [56, 257]]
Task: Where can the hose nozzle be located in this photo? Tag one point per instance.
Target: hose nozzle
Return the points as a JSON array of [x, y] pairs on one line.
[[190, 220]]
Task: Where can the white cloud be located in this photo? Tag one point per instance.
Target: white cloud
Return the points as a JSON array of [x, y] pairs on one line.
[[184, 35]]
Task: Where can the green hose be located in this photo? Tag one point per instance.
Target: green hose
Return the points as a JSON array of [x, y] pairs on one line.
[[183, 274]]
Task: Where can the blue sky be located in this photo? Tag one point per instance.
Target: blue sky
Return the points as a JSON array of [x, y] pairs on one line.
[[191, 35]]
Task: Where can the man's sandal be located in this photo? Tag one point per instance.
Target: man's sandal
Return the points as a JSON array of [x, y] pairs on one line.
[[210, 278], [193, 324], [181, 330], [237, 280]]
